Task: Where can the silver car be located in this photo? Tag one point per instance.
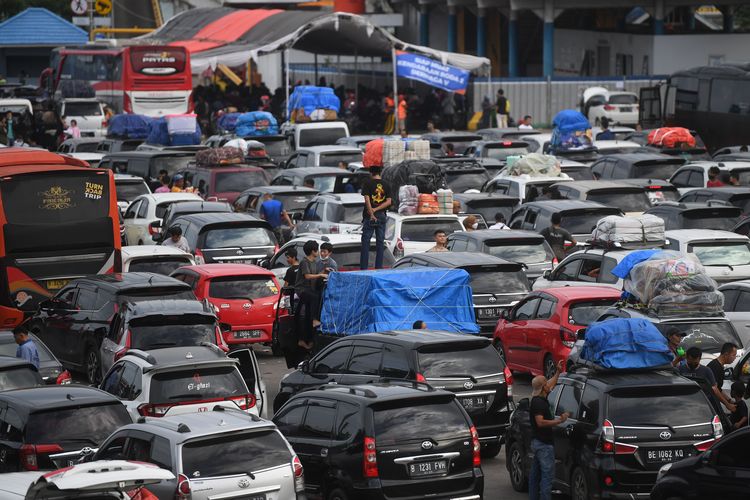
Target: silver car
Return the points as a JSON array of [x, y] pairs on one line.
[[331, 213]]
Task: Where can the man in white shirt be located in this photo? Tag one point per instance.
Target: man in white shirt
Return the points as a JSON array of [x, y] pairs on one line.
[[499, 222], [526, 123], [176, 239]]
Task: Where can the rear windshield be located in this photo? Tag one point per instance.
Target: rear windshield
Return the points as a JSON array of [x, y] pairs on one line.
[[127, 191], [242, 287], [239, 237], [295, 201], [165, 266], [488, 208], [277, 148], [18, 378], [661, 171], [722, 253], [460, 182], [502, 153], [86, 147], [172, 164], [196, 383], [83, 109], [348, 257], [707, 219], [161, 208], [419, 422], [325, 183], [708, 336], [623, 99], [585, 313], [237, 181], [657, 194], [525, 252], [333, 159], [347, 214], [666, 406], [8, 347], [582, 173], [88, 425], [161, 331], [491, 281], [629, 201], [320, 136], [455, 361], [578, 223], [234, 454], [424, 230]]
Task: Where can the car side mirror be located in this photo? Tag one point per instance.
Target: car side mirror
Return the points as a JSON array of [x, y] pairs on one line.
[[264, 263], [47, 304], [581, 334], [297, 216], [304, 366], [155, 225], [546, 274]]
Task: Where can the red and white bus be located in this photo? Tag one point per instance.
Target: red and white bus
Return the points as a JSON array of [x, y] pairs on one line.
[[144, 79]]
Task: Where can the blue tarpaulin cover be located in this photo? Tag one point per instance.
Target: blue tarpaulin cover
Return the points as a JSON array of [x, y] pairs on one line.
[[129, 126], [375, 301], [158, 133], [569, 131], [311, 98], [623, 343], [256, 123], [227, 122], [622, 269]]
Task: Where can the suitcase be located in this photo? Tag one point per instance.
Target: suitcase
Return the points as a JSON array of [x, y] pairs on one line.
[[644, 231], [428, 204], [218, 156]]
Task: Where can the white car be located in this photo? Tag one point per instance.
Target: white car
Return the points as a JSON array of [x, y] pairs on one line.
[[129, 187], [695, 175], [323, 156], [737, 308], [589, 267], [93, 159], [725, 255], [146, 209], [102, 479], [179, 380], [524, 187], [407, 234], [88, 114], [154, 259], [305, 135], [615, 147], [620, 108]]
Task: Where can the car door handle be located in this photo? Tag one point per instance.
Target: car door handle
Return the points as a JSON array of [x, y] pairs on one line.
[[569, 430], [324, 452]]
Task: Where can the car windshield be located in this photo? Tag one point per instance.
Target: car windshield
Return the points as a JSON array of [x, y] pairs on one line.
[[323, 183], [461, 181], [239, 236], [172, 164], [658, 194], [585, 313], [582, 173], [18, 378], [734, 253], [488, 208], [418, 422], [347, 257], [584, 222], [158, 265], [127, 191], [451, 360], [196, 384], [160, 331], [350, 213], [320, 136], [16, 109], [83, 109], [670, 405], [495, 281], [706, 219], [8, 347], [627, 201], [498, 152], [333, 159], [661, 170], [709, 336], [275, 148], [623, 99], [424, 229], [86, 147], [525, 252], [161, 208], [242, 287], [239, 180], [294, 201], [237, 453], [85, 424]]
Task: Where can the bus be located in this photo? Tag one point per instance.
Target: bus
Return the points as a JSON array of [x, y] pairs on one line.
[[143, 79], [59, 221], [714, 101]]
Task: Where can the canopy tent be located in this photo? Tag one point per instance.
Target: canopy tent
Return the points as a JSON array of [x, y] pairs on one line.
[[233, 36]]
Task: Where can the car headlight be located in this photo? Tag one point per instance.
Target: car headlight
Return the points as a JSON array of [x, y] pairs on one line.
[[663, 470]]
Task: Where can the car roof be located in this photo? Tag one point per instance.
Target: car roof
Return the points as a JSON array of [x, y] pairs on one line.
[[736, 284], [149, 153], [398, 216], [688, 235], [647, 182], [207, 206], [9, 362], [585, 186], [419, 338], [49, 397], [219, 270], [82, 140], [561, 205], [465, 197], [378, 393], [131, 251], [331, 149], [128, 177], [206, 218], [162, 197], [617, 380], [462, 259], [439, 136], [305, 171], [161, 307], [334, 239], [179, 355], [494, 234], [722, 165], [685, 206], [345, 198], [642, 156], [527, 179], [122, 282], [280, 190], [582, 292], [723, 190], [188, 426]]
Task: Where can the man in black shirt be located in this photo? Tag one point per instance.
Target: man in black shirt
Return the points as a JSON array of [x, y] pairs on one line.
[[542, 442], [290, 278], [693, 368], [726, 357], [556, 236], [377, 201]]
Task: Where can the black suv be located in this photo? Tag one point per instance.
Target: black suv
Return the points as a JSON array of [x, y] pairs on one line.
[[623, 427], [578, 216], [697, 215], [383, 440], [159, 228], [74, 322], [636, 166], [463, 364], [37, 424]]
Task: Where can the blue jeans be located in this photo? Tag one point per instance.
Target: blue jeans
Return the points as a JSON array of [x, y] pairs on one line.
[[369, 227], [542, 471]]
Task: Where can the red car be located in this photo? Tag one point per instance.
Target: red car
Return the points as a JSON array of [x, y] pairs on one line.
[[540, 330], [245, 298]]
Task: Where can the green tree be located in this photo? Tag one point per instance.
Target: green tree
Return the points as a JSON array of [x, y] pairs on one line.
[[9, 8]]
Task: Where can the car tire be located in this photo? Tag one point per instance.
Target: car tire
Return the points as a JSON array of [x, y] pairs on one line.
[[93, 366], [548, 367], [280, 400], [337, 494], [500, 349], [518, 478], [492, 450], [579, 485]]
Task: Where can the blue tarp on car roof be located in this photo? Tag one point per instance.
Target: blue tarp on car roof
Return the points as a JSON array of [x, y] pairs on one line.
[[625, 343], [376, 301]]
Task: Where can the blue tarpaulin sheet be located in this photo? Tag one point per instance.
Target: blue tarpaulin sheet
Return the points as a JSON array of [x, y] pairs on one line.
[[375, 301], [570, 120], [158, 133], [227, 122], [622, 269], [256, 123], [129, 126], [625, 343], [311, 98]]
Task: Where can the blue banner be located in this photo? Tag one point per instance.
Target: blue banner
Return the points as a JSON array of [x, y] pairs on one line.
[[426, 70]]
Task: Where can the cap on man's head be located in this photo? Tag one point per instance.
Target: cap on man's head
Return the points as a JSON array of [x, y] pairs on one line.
[[177, 177], [537, 385]]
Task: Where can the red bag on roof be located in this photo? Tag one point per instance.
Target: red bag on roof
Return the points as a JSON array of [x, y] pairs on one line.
[[373, 154], [671, 137]]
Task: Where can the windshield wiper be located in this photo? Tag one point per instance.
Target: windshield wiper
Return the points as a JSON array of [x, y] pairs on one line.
[[651, 424]]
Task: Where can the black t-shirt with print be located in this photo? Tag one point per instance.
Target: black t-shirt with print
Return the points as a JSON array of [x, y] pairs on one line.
[[377, 191]]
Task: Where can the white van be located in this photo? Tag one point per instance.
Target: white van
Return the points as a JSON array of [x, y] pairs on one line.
[[304, 135]]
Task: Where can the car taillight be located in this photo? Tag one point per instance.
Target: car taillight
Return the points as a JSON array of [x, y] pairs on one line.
[[299, 475], [704, 445], [476, 447], [28, 454], [508, 380], [153, 231], [399, 251], [334, 229], [567, 337], [609, 107], [64, 378], [257, 153], [420, 378], [152, 410], [370, 459], [718, 429], [555, 262], [183, 488], [607, 443], [245, 402], [127, 105], [199, 257]]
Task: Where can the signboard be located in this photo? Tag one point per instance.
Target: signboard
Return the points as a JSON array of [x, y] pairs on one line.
[[103, 7], [81, 21], [426, 70], [79, 7]]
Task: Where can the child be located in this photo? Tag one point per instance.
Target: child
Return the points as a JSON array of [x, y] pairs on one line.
[[326, 264], [739, 415]]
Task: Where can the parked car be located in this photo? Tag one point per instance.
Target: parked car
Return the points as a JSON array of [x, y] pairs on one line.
[[74, 322], [496, 284], [738, 196], [179, 380], [636, 166], [525, 247], [486, 204], [112, 145], [145, 210], [50, 369], [610, 447], [407, 234], [498, 134], [330, 213], [146, 164], [496, 149], [79, 145], [694, 175], [576, 170], [323, 156], [463, 175], [380, 418], [612, 147], [219, 452], [696, 215], [324, 179], [657, 190], [321, 133], [128, 188], [360, 141], [460, 141], [224, 182], [154, 259], [156, 324], [294, 199], [41, 422], [88, 113], [589, 267], [579, 217], [737, 308], [629, 198], [618, 107], [523, 187], [245, 298], [621, 133], [227, 237], [18, 373], [539, 331], [158, 229], [725, 255]]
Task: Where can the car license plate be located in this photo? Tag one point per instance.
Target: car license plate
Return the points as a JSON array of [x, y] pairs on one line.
[[259, 496], [56, 284], [248, 334], [474, 403], [419, 469], [626, 110], [489, 312], [665, 455]]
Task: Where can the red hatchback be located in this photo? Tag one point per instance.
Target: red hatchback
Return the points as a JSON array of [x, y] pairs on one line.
[[245, 298], [541, 329]]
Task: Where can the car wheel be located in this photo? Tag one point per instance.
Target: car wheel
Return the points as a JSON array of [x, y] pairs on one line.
[[93, 366], [500, 349], [491, 450], [548, 367], [337, 494], [518, 479], [579, 487]]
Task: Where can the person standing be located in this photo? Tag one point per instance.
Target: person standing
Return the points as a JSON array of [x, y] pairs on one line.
[[306, 288], [73, 131], [272, 211], [556, 236], [290, 277], [674, 338], [164, 180], [377, 201], [390, 119], [542, 441], [693, 368], [10, 132], [503, 109], [26, 347], [726, 356], [448, 106], [402, 107], [441, 239], [326, 264]]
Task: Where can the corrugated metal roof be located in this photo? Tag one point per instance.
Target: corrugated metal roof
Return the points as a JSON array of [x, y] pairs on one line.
[[37, 26]]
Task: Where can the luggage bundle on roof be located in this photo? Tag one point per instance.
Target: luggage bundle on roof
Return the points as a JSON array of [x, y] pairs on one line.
[[625, 344], [256, 123], [129, 126], [425, 174], [391, 152], [227, 122], [571, 132], [219, 156], [671, 137], [174, 130], [535, 165], [309, 103], [616, 231]]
